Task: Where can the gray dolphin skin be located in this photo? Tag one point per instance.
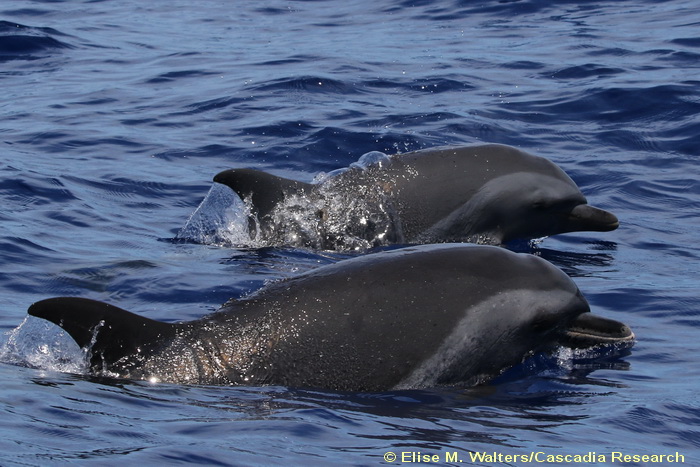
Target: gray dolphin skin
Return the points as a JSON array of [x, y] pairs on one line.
[[488, 194], [423, 316]]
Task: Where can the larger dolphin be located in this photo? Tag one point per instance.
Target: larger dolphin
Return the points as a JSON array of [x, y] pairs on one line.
[[410, 318], [487, 194]]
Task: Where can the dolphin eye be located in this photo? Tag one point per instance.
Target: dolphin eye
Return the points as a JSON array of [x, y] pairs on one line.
[[554, 205], [543, 323], [539, 324]]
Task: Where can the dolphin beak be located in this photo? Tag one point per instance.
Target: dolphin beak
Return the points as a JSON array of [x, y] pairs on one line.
[[588, 218], [589, 330]]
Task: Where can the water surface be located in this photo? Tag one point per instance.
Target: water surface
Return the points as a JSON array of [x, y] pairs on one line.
[[116, 115]]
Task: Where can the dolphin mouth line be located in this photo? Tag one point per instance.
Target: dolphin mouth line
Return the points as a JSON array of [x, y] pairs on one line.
[[589, 330], [587, 217], [608, 226]]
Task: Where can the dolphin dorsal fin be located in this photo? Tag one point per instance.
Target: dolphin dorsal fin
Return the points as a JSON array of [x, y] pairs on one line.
[[109, 332], [265, 190]]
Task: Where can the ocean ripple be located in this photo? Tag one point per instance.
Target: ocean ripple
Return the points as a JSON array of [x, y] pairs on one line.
[[20, 42]]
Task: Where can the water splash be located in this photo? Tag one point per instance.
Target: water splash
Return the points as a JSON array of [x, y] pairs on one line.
[[366, 161], [337, 217], [36, 343], [222, 219]]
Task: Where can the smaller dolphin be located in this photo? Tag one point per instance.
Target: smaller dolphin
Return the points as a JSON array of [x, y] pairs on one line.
[[487, 194], [410, 318]]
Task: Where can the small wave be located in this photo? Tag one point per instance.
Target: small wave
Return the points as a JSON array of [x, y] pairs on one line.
[[35, 191], [283, 129], [432, 85], [315, 84], [589, 70], [122, 188], [18, 41], [211, 105], [687, 41], [642, 105], [177, 75], [291, 60]]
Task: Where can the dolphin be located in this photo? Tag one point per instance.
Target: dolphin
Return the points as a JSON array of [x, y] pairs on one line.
[[488, 194], [423, 316]]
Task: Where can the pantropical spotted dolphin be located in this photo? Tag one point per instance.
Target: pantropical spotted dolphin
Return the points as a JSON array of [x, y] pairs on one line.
[[449, 314], [488, 194]]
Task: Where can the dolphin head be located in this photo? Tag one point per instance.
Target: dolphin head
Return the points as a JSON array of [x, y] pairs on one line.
[[556, 307], [533, 205], [553, 313], [492, 194], [514, 306]]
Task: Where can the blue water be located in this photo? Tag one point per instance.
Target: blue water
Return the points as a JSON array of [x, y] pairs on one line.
[[116, 115]]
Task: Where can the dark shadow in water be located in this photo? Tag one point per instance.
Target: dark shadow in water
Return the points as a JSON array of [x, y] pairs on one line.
[[533, 396], [574, 264]]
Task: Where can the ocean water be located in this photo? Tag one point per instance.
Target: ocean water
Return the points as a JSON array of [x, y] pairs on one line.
[[115, 116]]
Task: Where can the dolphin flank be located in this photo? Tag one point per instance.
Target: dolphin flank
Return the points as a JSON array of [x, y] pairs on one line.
[[449, 314]]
